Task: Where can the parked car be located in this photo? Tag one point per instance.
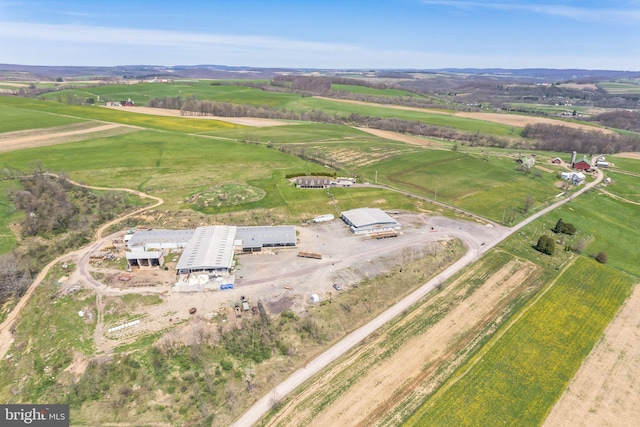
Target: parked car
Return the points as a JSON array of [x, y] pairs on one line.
[[337, 287]]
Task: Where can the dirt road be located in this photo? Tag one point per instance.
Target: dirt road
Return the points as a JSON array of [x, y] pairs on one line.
[[6, 337]]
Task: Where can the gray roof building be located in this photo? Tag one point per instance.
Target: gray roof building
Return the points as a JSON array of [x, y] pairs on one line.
[[369, 220], [160, 239], [209, 249], [255, 238]]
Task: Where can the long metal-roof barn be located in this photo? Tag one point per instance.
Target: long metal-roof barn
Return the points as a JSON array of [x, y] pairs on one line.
[[209, 249], [253, 239]]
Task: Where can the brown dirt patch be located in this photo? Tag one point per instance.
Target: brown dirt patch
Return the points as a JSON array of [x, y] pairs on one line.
[[368, 390], [246, 121], [630, 155], [606, 389], [278, 306], [78, 365], [542, 168], [395, 136], [580, 86]]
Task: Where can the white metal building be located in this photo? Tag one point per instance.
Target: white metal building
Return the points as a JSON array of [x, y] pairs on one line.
[[369, 220], [159, 239], [253, 239], [209, 249]]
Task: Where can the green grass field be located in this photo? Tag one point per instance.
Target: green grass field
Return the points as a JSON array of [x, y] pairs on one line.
[[625, 186], [519, 379], [296, 133], [363, 90], [602, 222], [625, 164], [14, 119], [79, 113], [488, 186], [143, 92], [621, 87]]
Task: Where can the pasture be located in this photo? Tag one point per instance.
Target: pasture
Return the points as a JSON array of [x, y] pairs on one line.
[[78, 113], [143, 92], [16, 119], [364, 90], [521, 373], [489, 186], [625, 186], [621, 86], [602, 223]]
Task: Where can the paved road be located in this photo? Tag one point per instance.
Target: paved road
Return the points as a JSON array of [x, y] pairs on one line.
[[475, 250]]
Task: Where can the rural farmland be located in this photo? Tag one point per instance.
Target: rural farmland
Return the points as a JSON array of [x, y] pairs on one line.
[[466, 321]]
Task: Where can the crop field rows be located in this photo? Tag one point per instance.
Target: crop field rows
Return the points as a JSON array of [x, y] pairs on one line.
[[394, 370], [521, 374]]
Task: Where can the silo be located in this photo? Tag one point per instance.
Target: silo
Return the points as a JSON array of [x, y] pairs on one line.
[[573, 158]]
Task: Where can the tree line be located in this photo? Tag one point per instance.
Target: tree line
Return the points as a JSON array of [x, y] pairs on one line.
[[564, 138], [190, 106]]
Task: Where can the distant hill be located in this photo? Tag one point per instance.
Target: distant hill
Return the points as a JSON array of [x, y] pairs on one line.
[[34, 72]]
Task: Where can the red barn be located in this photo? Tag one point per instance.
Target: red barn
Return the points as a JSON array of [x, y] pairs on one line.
[[583, 164]]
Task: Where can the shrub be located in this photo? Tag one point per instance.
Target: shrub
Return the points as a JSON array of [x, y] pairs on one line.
[[602, 257], [564, 227], [546, 245]]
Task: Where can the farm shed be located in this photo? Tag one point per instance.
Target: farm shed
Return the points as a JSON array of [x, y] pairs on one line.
[[253, 239], [313, 182], [159, 239], [556, 160], [145, 258], [209, 249], [369, 220], [323, 218]]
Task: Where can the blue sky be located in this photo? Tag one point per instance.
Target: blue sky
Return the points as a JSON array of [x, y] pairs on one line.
[[324, 34]]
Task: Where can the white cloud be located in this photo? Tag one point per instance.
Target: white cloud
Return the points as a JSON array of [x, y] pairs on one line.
[[79, 34], [45, 44], [629, 16]]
